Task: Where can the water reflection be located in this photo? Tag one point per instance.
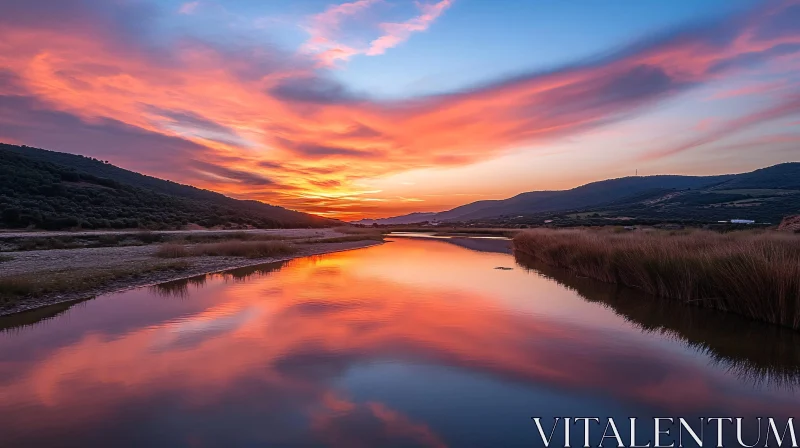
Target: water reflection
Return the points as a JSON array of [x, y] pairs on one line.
[[21, 320], [762, 354], [181, 288], [412, 343]]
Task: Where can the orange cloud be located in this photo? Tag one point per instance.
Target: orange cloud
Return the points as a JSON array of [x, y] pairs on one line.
[[259, 123]]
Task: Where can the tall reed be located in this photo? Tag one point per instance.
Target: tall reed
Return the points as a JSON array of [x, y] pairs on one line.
[[755, 274]]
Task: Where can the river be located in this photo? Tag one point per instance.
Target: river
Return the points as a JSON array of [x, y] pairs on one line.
[[419, 342]]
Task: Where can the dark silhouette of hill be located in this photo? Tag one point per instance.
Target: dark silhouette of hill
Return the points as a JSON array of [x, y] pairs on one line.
[[766, 194], [785, 176], [589, 195], [53, 190]]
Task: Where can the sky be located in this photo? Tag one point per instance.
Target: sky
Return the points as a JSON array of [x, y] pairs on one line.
[[375, 108]]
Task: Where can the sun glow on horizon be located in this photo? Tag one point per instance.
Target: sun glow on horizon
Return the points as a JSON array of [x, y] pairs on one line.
[[149, 88]]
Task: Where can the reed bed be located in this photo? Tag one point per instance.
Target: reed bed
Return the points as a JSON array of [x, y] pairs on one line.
[[233, 248], [755, 274]]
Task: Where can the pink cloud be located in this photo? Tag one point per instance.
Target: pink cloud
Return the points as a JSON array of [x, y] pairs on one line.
[[763, 142], [752, 89], [788, 107], [339, 52], [396, 33], [328, 21], [188, 7], [325, 26], [325, 41], [705, 124]]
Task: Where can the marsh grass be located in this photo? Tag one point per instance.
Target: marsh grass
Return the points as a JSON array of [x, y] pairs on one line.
[[346, 238], [232, 248], [755, 274], [172, 250], [14, 287], [448, 231], [247, 249], [352, 230], [237, 236], [756, 352]]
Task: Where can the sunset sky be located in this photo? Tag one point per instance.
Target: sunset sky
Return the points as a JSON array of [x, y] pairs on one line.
[[375, 108]]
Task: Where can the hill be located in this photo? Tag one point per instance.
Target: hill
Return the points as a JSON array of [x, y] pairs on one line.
[[411, 218], [764, 195], [52, 190]]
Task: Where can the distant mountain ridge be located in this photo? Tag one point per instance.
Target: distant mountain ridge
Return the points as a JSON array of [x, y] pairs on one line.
[[411, 218], [50, 189], [709, 197]]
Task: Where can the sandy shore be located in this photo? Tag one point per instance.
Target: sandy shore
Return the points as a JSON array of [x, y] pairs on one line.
[[140, 258]]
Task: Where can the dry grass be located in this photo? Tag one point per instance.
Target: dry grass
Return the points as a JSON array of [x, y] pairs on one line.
[[172, 250], [469, 231], [232, 248], [239, 236], [74, 280], [346, 238], [351, 230], [755, 274], [248, 249]]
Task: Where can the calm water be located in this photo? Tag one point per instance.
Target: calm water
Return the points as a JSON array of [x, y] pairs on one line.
[[418, 342]]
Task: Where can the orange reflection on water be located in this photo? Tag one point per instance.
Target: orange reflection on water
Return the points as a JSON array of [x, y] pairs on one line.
[[279, 343]]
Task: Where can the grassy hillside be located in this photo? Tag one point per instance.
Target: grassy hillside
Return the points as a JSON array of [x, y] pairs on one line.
[[764, 195], [763, 206], [52, 190], [785, 176], [589, 195]]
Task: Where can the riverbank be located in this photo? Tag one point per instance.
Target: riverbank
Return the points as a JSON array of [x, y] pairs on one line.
[[754, 274], [31, 279]]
